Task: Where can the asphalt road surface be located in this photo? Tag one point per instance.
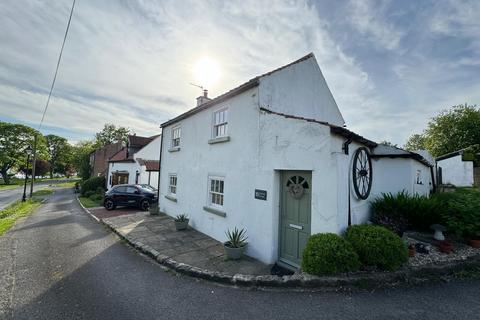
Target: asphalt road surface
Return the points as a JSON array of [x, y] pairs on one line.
[[11, 195], [60, 264]]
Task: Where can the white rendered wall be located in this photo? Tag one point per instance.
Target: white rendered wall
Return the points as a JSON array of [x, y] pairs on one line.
[[456, 172], [130, 167], [300, 90], [151, 151]]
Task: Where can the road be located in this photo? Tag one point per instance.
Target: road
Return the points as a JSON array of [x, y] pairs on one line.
[[11, 195], [60, 264]]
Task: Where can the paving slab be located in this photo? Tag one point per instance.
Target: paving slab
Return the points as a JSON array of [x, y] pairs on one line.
[[189, 246]]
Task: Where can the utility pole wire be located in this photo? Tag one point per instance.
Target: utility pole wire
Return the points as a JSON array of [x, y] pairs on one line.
[[58, 65], [48, 99]]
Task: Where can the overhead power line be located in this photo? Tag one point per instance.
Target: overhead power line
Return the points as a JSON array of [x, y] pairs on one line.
[[58, 64]]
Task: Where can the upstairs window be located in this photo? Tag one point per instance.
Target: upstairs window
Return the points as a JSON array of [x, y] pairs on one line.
[[172, 184], [419, 177], [216, 191], [220, 123], [176, 137]]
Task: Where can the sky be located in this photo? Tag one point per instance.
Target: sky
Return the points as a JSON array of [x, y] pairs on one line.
[[391, 65]]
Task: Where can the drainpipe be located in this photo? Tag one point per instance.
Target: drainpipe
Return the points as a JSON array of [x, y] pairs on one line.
[[433, 179], [159, 165]]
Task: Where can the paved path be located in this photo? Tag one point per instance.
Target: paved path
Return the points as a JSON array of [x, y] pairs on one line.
[[60, 264]]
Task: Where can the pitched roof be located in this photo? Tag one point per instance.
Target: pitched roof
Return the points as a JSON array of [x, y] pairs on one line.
[[137, 141], [386, 151], [235, 91], [333, 128], [119, 156], [151, 165]]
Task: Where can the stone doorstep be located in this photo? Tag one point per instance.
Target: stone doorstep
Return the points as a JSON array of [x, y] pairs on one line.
[[412, 275]]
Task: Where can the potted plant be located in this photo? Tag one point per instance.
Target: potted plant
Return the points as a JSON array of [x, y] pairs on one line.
[[235, 244], [445, 247], [411, 250], [181, 222]]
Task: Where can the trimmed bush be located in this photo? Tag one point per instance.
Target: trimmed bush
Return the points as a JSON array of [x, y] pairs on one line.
[[377, 246], [92, 184], [393, 211], [96, 197], [328, 254]]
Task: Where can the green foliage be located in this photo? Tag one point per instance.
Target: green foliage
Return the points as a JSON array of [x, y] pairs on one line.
[[327, 254], [111, 134], [181, 218], [60, 154], [96, 197], [14, 140], [461, 212], [420, 212], [451, 130], [415, 142], [236, 238], [81, 158], [88, 203], [377, 246], [92, 185]]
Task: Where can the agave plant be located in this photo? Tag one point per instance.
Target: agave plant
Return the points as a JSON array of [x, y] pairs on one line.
[[181, 218], [236, 238]]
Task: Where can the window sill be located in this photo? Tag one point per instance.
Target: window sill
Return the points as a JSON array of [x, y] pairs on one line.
[[171, 198], [174, 149], [218, 212], [219, 140]]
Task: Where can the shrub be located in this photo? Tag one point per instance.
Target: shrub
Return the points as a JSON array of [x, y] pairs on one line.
[[419, 212], [95, 197], [88, 194], [327, 254], [461, 212], [377, 246], [93, 184]]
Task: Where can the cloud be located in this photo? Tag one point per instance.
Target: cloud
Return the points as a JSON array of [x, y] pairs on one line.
[[369, 18]]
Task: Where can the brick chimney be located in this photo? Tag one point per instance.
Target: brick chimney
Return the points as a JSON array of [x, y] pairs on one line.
[[203, 99]]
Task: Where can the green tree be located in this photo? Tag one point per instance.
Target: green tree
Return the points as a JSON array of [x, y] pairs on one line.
[[415, 142], [453, 129], [81, 158], [388, 143], [111, 134], [58, 149], [14, 140]]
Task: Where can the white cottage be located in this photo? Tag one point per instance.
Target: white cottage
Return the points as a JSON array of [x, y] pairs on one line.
[[136, 163], [271, 156], [455, 169]]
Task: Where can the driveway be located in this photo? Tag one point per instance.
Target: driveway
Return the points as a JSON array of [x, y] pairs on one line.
[[60, 264]]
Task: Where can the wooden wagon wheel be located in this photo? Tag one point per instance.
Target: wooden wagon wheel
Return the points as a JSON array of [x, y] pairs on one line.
[[362, 173]]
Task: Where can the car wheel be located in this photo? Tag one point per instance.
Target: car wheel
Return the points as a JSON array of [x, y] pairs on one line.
[[145, 205], [109, 204]]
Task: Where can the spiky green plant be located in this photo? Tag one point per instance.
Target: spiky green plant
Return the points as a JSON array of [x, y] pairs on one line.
[[236, 238], [181, 218]]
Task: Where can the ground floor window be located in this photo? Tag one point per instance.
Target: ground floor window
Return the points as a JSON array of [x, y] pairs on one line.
[[172, 184], [119, 178], [216, 191]]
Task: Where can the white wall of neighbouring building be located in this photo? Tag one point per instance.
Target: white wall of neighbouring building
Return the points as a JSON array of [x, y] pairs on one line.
[[456, 171]]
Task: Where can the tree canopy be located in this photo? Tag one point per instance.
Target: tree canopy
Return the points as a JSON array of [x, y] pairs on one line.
[[111, 134], [451, 130], [14, 140], [58, 153]]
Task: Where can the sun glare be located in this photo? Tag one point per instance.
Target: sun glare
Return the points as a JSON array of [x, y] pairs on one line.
[[207, 72]]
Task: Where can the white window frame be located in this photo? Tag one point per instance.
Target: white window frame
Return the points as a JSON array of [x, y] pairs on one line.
[[171, 186], [220, 195], [418, 177], [174, 138], [221, 123]]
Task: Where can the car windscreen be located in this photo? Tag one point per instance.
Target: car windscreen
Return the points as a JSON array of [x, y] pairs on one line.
[[147, 187]]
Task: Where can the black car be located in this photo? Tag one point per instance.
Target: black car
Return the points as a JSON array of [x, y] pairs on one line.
[[130, 195]]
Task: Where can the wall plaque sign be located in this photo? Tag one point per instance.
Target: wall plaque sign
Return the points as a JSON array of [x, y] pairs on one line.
[[260, 194]]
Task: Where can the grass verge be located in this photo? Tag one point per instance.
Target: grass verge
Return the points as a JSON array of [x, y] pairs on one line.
[[8, 186], [16, 210], [70, 184], [42, 192], [89, 203]]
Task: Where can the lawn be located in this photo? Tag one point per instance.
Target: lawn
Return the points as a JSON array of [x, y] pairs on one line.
[[16, 210], [69, 184], [90, 203], [42, 192], [8, 186]]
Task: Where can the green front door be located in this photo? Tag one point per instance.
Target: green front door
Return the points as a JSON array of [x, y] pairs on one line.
[[295, 215]]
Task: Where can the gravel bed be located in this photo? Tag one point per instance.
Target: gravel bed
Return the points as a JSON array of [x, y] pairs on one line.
[[460, 252]]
